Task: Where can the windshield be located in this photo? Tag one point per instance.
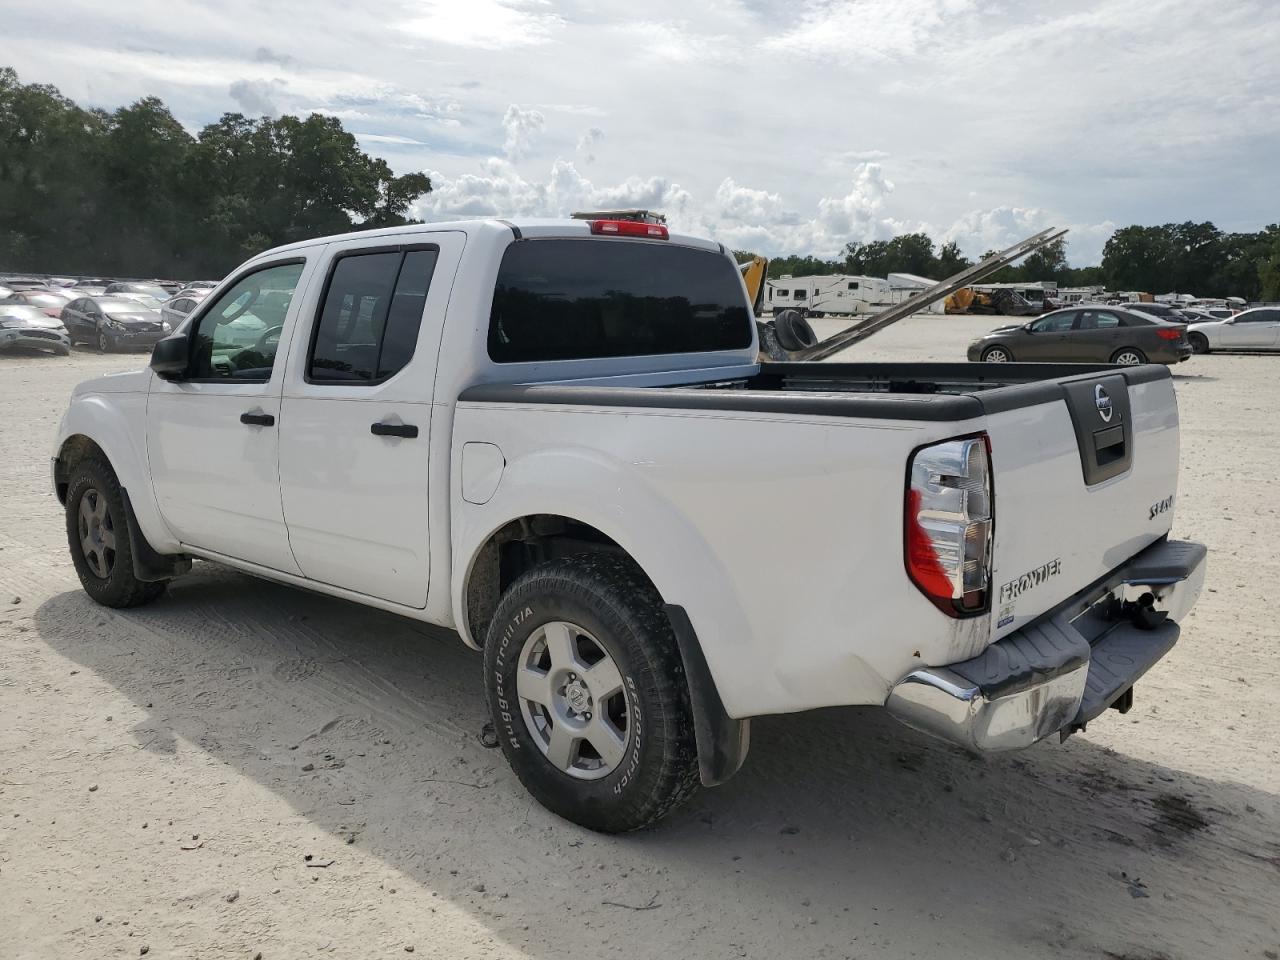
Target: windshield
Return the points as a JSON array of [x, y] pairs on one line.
[[577, 299], [120, 307]]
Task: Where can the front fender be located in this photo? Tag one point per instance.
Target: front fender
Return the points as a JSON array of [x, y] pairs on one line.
[[116, 422]]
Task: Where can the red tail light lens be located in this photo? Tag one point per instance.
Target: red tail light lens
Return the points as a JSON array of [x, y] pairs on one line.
[[1170, 333], [949, 524], [629, 228]]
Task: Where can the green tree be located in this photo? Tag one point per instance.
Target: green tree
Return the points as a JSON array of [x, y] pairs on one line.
[[130, 192]]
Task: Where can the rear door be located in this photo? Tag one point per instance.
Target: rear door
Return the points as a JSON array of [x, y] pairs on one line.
[[1102, 337], [356, 415]]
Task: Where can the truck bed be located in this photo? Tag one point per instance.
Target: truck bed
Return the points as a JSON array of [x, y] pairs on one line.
[[895, 391]]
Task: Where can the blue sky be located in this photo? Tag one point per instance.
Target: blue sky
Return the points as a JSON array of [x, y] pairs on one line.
[[782, 127]]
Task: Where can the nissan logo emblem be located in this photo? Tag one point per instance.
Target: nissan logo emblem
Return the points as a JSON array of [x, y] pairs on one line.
[[1102, 400]]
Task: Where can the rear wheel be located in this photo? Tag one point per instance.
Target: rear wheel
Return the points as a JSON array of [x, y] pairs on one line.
[[997, 355], [588, 695], [98, 535], [1199, 342], [1128, 357]]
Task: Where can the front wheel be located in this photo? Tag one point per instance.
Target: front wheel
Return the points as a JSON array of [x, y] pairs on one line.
[[996, 355], [1128, 357], [588, 694], [104, 342], [1199, 343], [98, 535]]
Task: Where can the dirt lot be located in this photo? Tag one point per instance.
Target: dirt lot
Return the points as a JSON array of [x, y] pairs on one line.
[[245, 768]]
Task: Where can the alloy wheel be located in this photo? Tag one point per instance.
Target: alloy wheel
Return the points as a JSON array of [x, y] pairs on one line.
[[573, 700], [97, 533], [996, 355]]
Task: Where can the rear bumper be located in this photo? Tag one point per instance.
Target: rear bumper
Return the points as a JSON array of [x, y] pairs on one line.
[[1057, 674]]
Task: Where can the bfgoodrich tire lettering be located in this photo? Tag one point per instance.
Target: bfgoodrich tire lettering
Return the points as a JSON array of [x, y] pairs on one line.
[[96, 515], [620, 611]]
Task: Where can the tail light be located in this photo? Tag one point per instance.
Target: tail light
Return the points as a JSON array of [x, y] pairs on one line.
[[1171, 333], [629, 228], [949, 524]]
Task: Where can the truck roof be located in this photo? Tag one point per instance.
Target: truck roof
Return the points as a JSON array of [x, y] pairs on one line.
[[517, 226]]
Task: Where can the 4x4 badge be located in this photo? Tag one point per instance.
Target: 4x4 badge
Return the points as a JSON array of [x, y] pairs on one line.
[[1102, 400]]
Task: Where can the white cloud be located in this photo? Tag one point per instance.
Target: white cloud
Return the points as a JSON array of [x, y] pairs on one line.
[[257, 98], [587, 143], [487, 24], [523, 128]]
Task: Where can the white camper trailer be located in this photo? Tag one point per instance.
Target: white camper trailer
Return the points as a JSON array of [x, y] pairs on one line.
[[832, 295]]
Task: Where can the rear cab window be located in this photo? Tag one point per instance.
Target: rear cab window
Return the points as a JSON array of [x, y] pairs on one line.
[[576, 299]]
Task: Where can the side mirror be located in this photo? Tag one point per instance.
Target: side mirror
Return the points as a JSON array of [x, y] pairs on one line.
[[1026, 327], [170, 357]]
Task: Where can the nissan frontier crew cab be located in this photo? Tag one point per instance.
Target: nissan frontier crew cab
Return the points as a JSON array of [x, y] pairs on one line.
[[555, 437]]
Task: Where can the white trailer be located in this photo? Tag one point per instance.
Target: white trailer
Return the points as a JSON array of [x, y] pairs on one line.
[[830, 295]]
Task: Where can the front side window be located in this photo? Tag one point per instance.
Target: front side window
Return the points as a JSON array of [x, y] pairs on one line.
[[562, 299], [1259, 316], [237, 337], [1058, 323], [368, 325]]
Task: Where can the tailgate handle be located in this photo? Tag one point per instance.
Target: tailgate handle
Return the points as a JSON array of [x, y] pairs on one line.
[[1108, 445]]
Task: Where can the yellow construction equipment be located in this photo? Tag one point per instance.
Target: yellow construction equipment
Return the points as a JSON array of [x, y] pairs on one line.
[[754, 272]]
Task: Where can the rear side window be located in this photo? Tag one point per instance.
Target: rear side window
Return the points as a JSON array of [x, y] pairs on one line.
[[369, 320], [581, 299]]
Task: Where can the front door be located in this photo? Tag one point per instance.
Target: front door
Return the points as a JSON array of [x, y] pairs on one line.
[[356, 419], [1253, 330], [213, 438], [1048, 338]]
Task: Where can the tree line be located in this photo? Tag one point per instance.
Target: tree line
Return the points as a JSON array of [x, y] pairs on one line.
[[130, 192], [1195, 258]]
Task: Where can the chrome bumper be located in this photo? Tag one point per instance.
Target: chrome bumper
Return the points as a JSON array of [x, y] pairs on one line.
[[1062, 671]]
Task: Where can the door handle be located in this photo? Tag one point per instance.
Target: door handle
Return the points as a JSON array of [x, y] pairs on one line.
[[406, 430], [258, 419]]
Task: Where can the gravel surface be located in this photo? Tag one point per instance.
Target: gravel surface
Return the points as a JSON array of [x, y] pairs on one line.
[[246, 769]]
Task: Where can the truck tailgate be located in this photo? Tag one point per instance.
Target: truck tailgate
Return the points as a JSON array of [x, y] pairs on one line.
[[1085, 472]]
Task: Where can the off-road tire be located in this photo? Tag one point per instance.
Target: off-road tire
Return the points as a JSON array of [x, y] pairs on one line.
[[609, 597], [120, 588]]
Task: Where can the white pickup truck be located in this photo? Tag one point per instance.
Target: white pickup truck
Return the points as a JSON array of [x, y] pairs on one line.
[[556, 438]]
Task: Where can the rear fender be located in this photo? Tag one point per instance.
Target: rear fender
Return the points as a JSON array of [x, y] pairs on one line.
[[666, 546]]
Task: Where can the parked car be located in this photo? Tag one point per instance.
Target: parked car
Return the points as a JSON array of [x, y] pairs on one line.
[[1091, 334], [1194, 315], [1256, 329], [1221, 313], [202, 284], [176, 308], [26, 326], [1165, 311], [102, 282], [5, 291], [47, 300], [556, 438], [113, 323], [132, 288], [22, 282]]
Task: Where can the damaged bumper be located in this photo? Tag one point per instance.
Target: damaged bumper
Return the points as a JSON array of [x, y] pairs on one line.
[[1057, 674]]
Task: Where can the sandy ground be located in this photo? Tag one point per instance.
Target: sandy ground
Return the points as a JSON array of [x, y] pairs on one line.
[[245, 768]]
